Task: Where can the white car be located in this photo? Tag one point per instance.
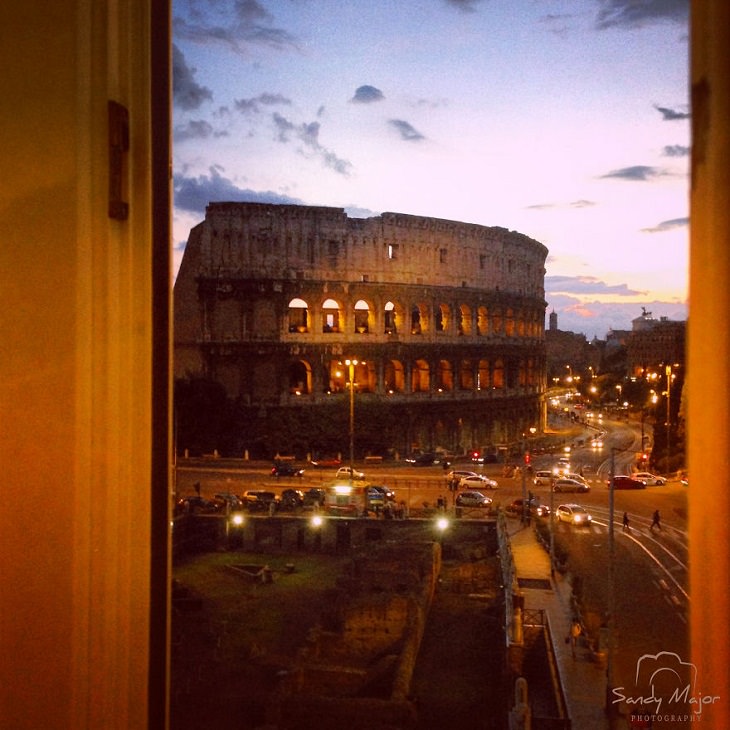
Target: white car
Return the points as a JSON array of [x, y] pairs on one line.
[[458, 474], [649, 479], [477, 481], [543, 478], [573, 513], [346, 472]]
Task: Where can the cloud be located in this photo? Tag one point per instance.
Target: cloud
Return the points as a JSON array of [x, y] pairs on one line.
[[466, 6], [254, 104], [640, 13], [196, 129], [308, 135], [665, 226], [671, 115], [367, 95], [639, 173], [406, 130], [186, 92], [587, 285], [234, 23], [675, 150], [575, 204], [193, 194]]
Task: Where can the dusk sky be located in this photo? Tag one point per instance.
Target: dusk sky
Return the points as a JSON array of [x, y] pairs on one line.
[[565, 120]]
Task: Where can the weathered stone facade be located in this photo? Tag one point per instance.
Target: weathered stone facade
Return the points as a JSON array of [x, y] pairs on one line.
[[445, 319]]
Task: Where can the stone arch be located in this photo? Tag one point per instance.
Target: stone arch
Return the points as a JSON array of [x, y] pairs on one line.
[[331, 316], [394, 376], [300, 377], [298, 315], [420, 377]]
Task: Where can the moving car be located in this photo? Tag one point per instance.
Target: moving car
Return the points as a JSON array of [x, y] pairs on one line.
[[621, 481], [285, 469], [649, 479], [314, 497], [460, 474], [347, 472], [543, 478], [515, 508], [570, 485], [477, 481], [575, 514], [473, 499], [388, 493]]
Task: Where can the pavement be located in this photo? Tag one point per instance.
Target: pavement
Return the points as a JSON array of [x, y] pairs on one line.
[[583, 678]]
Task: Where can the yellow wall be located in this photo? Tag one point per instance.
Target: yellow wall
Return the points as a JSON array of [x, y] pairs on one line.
[[75, 374]]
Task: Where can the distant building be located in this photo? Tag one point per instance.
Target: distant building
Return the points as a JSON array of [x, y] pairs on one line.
[[655, 342], [445, 319]]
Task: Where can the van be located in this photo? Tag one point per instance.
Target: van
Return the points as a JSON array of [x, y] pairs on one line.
[[543, 478]]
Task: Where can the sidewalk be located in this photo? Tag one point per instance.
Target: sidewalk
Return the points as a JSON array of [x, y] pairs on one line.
[[583, 680]]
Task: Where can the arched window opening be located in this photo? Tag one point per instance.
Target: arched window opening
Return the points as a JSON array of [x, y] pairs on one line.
[[416, 325], [483, 375], [362, 317], [466, 375], [330, 316], [420, 377], [463, 326], [445, 375], [298, 316], [300, 378], [520, 324], [498, 374], [394, 377], [497, 322], [509, 323], [390, 327], [335, 377], [482, 321], [442, 315]]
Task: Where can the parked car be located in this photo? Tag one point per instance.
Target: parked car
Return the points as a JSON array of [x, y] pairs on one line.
[[259, 500], [291, 499], [623, 482], [347, 472], [388, 493], [543, 478], [570, 485], [286, 469], [649, 479], [473, 499], [578, 477], [314, 497], [477, 481], [575, 514], [196, 505], [232, 501], [375, 498], [537, 509]]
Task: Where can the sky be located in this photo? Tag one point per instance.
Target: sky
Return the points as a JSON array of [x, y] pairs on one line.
[[565, 120]]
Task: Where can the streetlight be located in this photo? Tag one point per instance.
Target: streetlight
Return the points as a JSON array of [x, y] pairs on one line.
[[351, 377], [610, 707], [525, 463]]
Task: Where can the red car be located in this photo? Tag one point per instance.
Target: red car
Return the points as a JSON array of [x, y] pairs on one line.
[[623, 482]]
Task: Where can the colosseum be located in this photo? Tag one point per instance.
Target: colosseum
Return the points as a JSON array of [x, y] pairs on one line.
[[428, 333]]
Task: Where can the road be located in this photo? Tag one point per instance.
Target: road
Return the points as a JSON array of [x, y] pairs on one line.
[[650, 588]]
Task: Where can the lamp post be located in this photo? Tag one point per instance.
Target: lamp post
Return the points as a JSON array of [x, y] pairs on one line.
[[351, 378], [668, 371]]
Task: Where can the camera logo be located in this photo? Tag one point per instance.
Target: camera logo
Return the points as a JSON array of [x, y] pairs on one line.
[[665, 684]]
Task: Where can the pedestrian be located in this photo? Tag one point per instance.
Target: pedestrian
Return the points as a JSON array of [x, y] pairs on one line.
[[627, 527], [575, 632], [655, 521]]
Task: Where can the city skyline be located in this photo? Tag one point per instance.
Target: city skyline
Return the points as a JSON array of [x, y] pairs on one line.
[[566, 121]]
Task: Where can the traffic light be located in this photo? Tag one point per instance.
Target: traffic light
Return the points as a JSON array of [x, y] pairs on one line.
[[527, 457]]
